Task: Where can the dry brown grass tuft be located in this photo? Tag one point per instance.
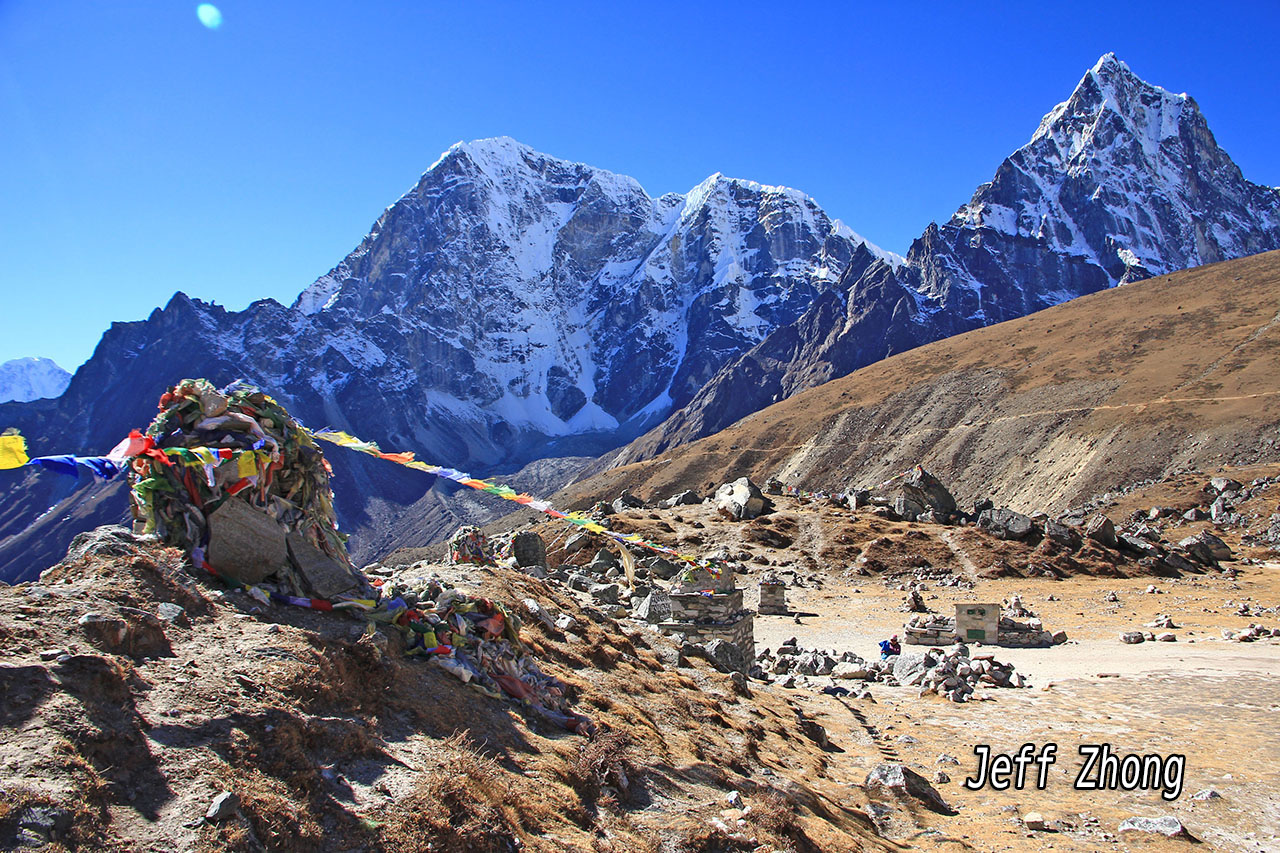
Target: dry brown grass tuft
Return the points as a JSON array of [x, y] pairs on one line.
[[601, 772], [455, 808]]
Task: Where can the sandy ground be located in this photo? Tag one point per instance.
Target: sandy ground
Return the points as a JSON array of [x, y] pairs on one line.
[[1213, 701]]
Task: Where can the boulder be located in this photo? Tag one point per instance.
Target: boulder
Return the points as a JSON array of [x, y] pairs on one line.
[[1166, 825], [528, 549], [927, 491], [897, 779], [577, 542], [245, 544], [850, 670], [815, 732], [909, 669], [324, 576], [1138, 545], [1205, 545], [626, 501], [1218, 485], [1101, 530], [662, 568], [686, 498], [605, 593], [725, 656], [1005, 523], [1061, 534], [739, 500], [1132, 637]]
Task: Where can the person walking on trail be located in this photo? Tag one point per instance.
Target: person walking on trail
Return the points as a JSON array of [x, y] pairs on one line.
[[890, 647]]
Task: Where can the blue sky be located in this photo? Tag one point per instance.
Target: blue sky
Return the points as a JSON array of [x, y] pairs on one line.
[[143, 153]]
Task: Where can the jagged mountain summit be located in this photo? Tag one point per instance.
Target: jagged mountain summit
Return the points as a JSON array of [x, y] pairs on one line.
[[26, 379], [552, 298], [1120, 182]]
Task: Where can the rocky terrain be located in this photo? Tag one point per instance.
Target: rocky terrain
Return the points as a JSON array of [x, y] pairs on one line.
[[1119, 387], [147, 707]]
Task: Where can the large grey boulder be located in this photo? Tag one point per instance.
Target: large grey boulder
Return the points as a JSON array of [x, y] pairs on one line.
[[725, 656], [245, 544], [323, 575], [739, 500], [909, 669], [1101, 530], [686, 498], [1005, 523], [528, 549], [1218, 485], [1206, 548], [928, 492], [626, 501]]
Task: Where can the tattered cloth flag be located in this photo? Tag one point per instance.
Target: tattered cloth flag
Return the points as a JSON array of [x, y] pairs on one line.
[[13, 451], [343, 439]]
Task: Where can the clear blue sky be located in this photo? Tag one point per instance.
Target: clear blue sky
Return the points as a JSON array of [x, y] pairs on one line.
[[143, 153]]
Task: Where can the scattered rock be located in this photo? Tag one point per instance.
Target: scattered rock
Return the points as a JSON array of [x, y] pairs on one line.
[[1034, 821], [224, 805], [174, 614], [49, 822], [1132, 637]]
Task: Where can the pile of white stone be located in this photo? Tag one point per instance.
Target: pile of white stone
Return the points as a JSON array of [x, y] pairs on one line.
[[952, 674]]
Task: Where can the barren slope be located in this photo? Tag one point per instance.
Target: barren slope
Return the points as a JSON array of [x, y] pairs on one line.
[[1168, 374]]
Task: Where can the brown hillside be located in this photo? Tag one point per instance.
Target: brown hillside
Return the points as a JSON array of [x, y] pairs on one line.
[[1136, 383]]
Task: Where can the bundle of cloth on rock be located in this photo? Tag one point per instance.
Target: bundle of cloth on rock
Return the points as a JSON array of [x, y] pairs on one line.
[[477, 640], [231, 478], [469, 545]]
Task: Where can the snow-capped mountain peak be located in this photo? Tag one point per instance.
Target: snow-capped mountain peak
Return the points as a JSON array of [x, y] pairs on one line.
[[26, 379]]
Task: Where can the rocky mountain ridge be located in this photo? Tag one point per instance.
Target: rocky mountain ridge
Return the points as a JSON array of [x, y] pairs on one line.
[[1120, 182]]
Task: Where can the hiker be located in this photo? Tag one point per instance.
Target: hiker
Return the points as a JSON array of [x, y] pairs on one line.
[[889, 648]]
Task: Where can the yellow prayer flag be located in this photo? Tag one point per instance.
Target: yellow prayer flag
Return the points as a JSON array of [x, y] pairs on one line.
[[247, 464], [13, 451]]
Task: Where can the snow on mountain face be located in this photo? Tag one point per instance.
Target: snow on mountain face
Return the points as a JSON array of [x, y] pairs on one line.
[[26, 379], [1120, 182], [557, 298]]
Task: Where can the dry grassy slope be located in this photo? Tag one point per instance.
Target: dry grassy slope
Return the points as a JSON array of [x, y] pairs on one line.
[[1173, 373], [335, 742]]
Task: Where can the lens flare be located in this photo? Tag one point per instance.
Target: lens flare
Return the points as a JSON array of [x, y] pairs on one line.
[[209, 15]]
